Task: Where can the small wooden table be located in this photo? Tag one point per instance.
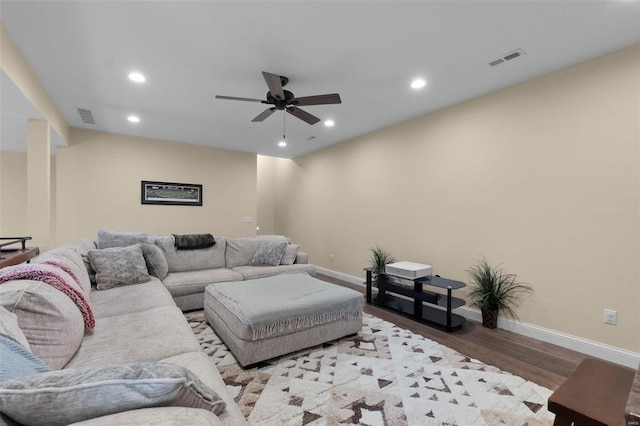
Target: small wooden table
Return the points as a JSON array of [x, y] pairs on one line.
[[15, 257], [595, 395]]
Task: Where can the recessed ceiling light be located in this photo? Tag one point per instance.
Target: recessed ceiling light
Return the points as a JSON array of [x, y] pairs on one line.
[[133, 119], [137, 77], [418, 83], [329, 123], [282, 144]]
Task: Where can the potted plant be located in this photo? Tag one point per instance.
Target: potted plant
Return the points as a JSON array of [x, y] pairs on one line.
[[379, 259], [495, 291]]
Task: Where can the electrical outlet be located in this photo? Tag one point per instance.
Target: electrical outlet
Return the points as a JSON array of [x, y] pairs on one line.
[[330, 258], [610, 316]]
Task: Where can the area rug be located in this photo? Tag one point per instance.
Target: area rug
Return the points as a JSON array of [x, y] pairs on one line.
[[384, 375]]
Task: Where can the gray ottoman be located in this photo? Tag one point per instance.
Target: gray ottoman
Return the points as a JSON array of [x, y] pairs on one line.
[[267, 317]]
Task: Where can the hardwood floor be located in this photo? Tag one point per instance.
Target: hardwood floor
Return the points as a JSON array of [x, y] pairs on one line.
[[540, 362]]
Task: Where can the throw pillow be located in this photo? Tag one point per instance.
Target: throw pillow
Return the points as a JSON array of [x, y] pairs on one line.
[[156, 262], [194, 241], [191, 260], [49, 319], [18, 361], [119, 266], [269, 253], [290, 254], [108, 239], [73, 395]]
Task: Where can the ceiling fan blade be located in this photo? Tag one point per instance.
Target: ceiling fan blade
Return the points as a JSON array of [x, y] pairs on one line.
[[332, 98], [274, 83], [303, 115], [264, 114], [233, 98]]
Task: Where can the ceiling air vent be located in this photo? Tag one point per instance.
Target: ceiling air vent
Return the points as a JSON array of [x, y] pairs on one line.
[[86, 116], [508, 57]]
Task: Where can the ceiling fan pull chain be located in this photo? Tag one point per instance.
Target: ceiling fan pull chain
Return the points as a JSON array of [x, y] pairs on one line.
[[284, 126]]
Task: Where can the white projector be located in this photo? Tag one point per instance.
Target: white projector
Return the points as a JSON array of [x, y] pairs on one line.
[[409, 270]]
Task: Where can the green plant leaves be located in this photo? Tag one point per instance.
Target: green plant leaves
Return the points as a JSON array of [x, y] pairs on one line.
[[379, 259], [496, 289]]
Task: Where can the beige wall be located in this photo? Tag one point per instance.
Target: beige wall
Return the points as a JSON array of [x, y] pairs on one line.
[[542, 176], [18, 70], [98, 186], [267, 189], [13, 194]]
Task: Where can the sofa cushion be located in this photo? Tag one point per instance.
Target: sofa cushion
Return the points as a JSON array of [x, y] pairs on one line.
[[156, 263], [204, 367], [253, 272], [289, 256], [51, 321], [131, 298], [108, 239], [240, 251], [17, 361], [191, 260], [118, 266], [70, 254], [9, 327], [274, 237], [269, 253], [157, 416], [83, 245], [67, 396], [144, 336], [190, 282]]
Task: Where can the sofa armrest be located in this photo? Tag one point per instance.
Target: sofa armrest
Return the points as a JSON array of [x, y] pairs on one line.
[[302, 257]]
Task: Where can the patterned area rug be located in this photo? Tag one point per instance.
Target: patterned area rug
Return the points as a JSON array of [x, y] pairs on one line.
[[384, 375]]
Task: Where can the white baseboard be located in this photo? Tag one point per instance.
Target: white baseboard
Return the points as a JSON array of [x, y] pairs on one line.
[[339, 275], [579, 344]]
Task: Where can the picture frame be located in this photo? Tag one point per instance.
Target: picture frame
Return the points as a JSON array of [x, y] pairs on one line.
[[171, 194]]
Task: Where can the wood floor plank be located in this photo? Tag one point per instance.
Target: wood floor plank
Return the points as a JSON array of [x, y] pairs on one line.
[[540, 362]]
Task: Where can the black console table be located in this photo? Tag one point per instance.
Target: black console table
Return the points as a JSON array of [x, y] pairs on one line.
[[422, 306]]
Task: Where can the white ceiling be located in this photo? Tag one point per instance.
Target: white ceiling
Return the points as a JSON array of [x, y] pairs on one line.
[[368, 51]]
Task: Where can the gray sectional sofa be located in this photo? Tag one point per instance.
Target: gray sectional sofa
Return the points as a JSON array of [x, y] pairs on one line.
[[133, 321], [228, 260]]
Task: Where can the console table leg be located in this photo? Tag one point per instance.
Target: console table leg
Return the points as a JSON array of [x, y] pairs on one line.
[[368, 286], [449, 308]]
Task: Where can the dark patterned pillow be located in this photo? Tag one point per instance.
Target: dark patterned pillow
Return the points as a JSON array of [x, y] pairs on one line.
[[73, 395], [194, 241], [269, 253], [119, 266]]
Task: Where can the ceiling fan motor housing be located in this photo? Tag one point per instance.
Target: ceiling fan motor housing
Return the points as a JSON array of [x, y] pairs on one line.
[[280, 104]]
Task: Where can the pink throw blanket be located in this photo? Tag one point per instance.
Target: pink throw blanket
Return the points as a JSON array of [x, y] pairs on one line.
[[56, 276]]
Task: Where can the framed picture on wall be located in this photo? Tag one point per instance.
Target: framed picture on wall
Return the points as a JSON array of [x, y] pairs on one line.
[[172, 194]]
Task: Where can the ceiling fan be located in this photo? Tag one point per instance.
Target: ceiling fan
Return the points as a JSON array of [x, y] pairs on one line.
[[285, 100]]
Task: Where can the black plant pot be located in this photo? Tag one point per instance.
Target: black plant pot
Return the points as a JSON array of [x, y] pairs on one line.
[[490, 318]]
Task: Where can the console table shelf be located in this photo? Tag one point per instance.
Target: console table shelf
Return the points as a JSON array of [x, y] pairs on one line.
[[424, 306]]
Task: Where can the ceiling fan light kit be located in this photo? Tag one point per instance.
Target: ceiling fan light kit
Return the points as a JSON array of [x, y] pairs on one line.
[[284, 100]]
